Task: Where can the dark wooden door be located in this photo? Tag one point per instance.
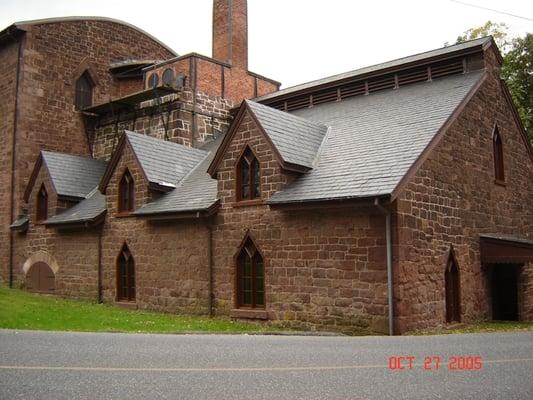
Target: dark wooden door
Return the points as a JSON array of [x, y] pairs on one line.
[[40, 278], [451, 278]]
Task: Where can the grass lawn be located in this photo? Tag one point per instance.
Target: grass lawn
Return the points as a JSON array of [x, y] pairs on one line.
[[23, 310], [478, 327]]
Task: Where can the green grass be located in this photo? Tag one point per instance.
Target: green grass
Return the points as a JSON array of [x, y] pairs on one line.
[[23, 310], [478, 327]]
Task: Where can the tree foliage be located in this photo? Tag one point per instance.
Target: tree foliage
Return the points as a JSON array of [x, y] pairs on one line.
[[517, 68], [497, 30]]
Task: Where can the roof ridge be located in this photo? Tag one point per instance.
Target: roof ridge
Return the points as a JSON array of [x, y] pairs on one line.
[[193, 169], [162, 141], [287, 114], [377, 67], [89, 158]]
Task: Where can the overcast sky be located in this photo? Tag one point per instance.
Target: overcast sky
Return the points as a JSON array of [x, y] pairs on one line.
[[294, 41]]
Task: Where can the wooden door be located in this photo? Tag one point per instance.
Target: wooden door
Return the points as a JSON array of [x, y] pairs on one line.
[[40, 278], [451, 279]]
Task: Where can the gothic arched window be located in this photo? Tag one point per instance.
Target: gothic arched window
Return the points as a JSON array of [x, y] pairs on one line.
[[125, 275], [84, 91], [499, 172], [126, 193], [250, 277], [248, 177], [42, 204]]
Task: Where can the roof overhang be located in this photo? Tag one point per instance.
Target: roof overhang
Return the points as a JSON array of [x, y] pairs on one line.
[[10, 34], [332, 203], [21, 224], [186, 214], [129, 102], [496, 249], [86, 223]]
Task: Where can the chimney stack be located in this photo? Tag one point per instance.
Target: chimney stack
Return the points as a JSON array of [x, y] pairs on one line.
[[230, 32]]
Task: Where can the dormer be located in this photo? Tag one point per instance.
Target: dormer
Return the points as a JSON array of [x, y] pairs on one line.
[[58, 182], [142, 170], [263, 150]]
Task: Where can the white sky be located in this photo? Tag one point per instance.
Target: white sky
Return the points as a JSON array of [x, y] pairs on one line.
[[295, 41]]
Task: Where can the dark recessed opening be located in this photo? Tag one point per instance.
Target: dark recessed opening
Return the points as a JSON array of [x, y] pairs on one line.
[[504, 286]]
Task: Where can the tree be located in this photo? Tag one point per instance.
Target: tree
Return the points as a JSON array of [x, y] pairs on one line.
[[497, 30], [517, 68], [517, 71]]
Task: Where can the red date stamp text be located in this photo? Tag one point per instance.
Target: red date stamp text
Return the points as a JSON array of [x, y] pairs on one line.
[[436, 362]]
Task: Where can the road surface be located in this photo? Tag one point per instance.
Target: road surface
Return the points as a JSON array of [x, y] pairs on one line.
[[54, 365]]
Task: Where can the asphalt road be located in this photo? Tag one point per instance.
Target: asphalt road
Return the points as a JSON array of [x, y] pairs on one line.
[[42, 365]]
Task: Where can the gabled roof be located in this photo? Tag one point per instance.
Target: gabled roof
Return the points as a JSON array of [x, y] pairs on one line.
[[163, 163], [196, 192], [72, 176], [375, 140], [442, 53], [295, 141], [88, 211]]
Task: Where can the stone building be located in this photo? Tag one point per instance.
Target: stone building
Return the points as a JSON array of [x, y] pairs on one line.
[[390, 198]]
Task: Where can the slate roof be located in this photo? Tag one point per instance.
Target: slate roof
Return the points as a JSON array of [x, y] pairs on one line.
[[164, 163], [21, 223], [86, 210], [297, 140], [374, 139], [196, 192], [444, 51], [73, 176]]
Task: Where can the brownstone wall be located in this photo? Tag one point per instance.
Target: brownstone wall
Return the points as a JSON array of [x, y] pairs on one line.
[[130, 85], [324, 269], [8, 74], [451, 200], [211, 116], [75, 252], [54, 55], [170, 257]]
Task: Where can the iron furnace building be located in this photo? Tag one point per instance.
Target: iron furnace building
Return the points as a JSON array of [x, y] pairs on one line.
[[389, 198]]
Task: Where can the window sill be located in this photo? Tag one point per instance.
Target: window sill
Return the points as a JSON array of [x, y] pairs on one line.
[[500, 183], [130, 305], [124, 214], [249, 313], [247, 203]]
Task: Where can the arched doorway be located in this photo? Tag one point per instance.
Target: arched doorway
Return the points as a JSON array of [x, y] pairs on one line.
[[452, 288], [40, 278]]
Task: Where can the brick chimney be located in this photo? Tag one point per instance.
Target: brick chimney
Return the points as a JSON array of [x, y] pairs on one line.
[[230, 32]]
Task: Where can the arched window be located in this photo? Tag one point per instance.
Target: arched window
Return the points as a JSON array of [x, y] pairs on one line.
[[125, 275], [84, 91], [250, 277], [42, 204], [126, 193], [248, 178], [452, 288], [499, 173]]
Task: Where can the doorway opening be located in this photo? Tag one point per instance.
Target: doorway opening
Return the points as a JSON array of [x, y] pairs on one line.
[[452, 289], [504, 287]]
